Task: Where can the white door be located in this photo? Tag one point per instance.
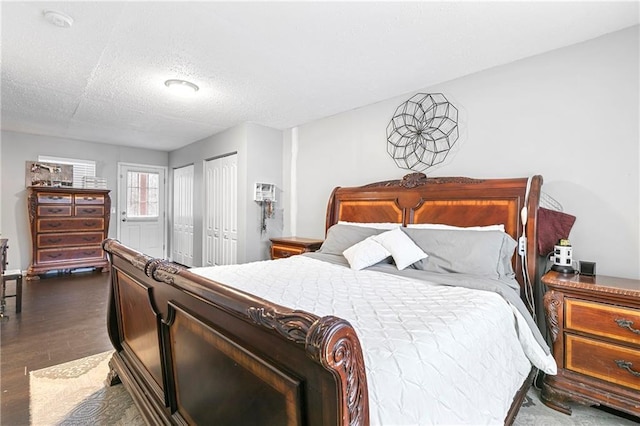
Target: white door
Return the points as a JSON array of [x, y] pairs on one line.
[[141, 208], [182, 241], [221, 211]]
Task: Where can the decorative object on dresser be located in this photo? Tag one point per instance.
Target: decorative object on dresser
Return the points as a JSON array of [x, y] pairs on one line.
[[289, 246], [38, 173], [595, 327], [67, 227], [422, 131]]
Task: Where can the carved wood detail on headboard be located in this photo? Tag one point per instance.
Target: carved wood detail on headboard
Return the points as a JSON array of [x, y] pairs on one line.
[[413, 180]]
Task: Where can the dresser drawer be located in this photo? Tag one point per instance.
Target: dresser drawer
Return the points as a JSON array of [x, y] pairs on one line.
[[70, 239], [89, 211], [612, 363], [89, 199], [59, 225], [278, 252], [604, 320], [63, 254], [54, 210], [53, 198]]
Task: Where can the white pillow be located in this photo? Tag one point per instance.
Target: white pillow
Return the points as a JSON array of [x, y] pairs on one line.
[[499, 227], [404, 251], [376, 225], [365, 253]]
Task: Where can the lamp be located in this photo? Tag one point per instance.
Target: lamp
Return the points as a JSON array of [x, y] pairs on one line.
[[181, 87], [58, 19], [562, 257]]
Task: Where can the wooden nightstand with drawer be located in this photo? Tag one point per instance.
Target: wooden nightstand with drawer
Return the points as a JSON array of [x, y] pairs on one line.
[[289, 246], [594, 323]]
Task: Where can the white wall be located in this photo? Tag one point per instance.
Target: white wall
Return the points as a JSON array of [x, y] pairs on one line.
[[0, 186], [259, 150], [17, 148], [570, 115], [264, 165]]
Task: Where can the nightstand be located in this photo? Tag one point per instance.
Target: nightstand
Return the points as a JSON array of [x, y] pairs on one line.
[[594, 323], [289, 246]]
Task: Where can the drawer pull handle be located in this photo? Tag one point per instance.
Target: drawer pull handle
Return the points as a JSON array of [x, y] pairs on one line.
[[54, 255], [54, 225], [89, 198], [88, 238], [90, 210], [55, 210], [89, 253], [54, 197], [625, 323], [626, 365], [89, 223], [54, 240]]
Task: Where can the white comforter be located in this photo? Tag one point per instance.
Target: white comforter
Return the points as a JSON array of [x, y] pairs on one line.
[[433, 354]]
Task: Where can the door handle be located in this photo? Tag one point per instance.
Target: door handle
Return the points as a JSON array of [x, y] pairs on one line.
[[124, 216]]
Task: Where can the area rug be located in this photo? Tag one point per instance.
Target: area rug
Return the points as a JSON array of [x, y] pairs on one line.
[[75, 393], [534, 413]]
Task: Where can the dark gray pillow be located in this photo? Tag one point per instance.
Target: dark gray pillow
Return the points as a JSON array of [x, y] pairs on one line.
[[340, 237], [486, 253]]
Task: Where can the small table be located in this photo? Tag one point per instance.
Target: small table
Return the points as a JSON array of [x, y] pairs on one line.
[[9, 275], [289, 246], [594, 323]]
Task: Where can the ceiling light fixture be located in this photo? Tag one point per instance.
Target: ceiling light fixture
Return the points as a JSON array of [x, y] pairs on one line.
[[58, 19], [181, 87]]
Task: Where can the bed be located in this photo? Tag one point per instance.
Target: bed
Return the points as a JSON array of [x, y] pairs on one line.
[[395, 320]]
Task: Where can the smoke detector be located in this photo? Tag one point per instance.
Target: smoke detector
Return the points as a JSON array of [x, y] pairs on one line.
[[58, 19]]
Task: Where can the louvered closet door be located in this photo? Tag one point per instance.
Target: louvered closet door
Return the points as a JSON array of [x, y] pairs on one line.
[[221, 211], [182, 242]]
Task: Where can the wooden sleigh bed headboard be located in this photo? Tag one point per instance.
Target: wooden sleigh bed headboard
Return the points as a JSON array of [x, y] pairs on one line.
[[457, 201], [190, 350]]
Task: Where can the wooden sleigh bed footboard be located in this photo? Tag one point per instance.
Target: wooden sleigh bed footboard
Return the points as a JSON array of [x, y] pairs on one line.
[[191, 351]]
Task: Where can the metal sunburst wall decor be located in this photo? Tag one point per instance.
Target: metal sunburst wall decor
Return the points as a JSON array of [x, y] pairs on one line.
[[422, 131]]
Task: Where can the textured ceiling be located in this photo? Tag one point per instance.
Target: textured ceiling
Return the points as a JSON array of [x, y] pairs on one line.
[[279, 64]]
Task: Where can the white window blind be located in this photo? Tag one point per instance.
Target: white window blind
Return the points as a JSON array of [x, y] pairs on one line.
[[81, 168]]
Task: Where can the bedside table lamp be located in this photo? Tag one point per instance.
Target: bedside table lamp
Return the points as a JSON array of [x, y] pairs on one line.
[[562, 257]]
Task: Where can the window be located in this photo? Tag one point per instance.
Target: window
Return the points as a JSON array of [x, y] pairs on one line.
[[143, 194], [81, 168]]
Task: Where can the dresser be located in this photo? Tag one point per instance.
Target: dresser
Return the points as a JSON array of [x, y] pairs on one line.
[[594, 323], [289, 246], [67, 228]]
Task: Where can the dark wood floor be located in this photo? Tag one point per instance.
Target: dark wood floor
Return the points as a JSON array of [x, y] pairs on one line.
[[63, 318]]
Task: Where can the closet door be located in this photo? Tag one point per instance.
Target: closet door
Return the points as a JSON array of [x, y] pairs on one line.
[[182, 240], [221, 211]]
